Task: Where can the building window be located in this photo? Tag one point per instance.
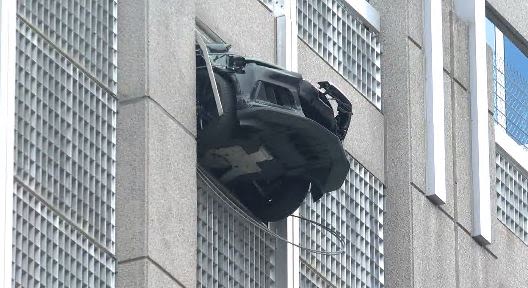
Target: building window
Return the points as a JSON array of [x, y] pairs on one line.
[[235, 251], [510, 72], [232, 250], [355, 211], [510, 101], [334, 32], [512, 195], [65, 144]]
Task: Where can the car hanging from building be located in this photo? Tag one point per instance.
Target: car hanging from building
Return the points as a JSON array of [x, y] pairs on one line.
[[267, 134]]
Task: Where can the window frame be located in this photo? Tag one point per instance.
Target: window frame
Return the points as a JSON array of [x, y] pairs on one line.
[[517, 151], [7, 133]]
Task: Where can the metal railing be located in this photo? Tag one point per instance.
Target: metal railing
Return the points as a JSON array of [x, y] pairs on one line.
[[510, 101]]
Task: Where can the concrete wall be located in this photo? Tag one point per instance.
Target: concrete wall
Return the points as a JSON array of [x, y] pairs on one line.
[[428, 245], [156, 171], [425, 245], [248, 26]]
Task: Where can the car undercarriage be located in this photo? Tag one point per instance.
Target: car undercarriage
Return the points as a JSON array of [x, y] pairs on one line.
[[267, 134]]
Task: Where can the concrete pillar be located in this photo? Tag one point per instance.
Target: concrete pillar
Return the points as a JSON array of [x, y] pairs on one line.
[[398, 55], [156, 158]]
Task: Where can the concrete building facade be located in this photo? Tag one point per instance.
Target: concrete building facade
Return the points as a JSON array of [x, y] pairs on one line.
[[107, 189]]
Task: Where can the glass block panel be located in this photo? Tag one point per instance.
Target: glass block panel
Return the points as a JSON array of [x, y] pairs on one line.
[[232, 252], [65, 136], [65, 144], [356, 212], [512, 195], [331, 30], [84, 29], [49, 252]]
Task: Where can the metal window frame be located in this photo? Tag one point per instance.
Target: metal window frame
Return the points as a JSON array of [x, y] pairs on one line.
[[7, 133], [286, 25], [514, 150], [505, 141]]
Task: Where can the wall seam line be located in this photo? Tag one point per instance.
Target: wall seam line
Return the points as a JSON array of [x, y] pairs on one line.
[[149, 259], [164, 271], [187, 131], [150, 99], [458, 224]]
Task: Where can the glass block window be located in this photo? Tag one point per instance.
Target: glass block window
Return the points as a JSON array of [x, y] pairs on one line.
[[65, 136], [356, 212], [510, 88], [65, 144], [50, 252], [331, 30], [512, 196], [232, 252], [84, 29]]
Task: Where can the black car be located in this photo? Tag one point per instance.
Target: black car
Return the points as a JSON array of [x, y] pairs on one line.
[[267, 134]]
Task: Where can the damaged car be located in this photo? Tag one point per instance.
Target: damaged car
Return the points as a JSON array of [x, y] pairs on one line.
[[267, 134]]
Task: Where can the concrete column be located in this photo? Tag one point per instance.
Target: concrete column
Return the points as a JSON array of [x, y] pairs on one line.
[[156, 159], [396, 59]]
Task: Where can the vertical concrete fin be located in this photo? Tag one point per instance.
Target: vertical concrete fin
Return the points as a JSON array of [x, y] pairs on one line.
[[473, 12], [434, 101]]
